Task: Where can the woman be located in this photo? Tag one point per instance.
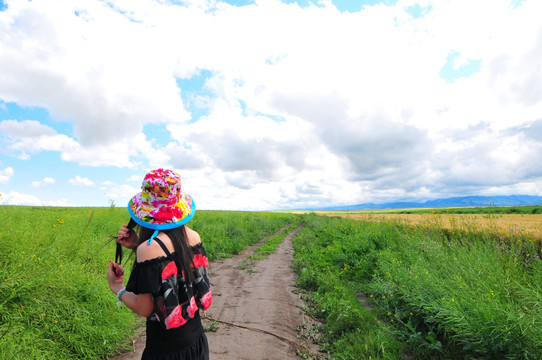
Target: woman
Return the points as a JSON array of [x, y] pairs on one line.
[[169, 282]]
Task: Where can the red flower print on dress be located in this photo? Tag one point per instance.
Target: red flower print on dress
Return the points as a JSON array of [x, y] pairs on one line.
[[200, 260], [192, 308], [206, 300], [175, 319], [169, 270]]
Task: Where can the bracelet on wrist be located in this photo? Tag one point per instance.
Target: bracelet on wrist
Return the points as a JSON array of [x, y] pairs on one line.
[[119, 296]]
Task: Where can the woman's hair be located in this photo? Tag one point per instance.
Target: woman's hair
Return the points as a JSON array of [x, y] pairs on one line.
[[178, 238]]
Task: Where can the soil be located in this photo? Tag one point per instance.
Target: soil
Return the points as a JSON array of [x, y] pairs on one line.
[[256, 312]]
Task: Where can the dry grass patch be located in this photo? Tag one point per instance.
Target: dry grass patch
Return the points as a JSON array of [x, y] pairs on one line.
[[529, 225]]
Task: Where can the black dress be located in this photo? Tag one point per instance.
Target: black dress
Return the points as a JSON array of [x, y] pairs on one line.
[[174, 330]]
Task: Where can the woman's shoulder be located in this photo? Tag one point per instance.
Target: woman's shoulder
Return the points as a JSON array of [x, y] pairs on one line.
[[192, 237], [146, 251], [153, 250]]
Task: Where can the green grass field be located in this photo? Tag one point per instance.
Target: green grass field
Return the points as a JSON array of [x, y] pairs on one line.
[[432, 293], [54, 299], [381, 289]]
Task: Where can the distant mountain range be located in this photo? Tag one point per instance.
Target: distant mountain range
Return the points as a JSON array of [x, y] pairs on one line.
[[464, 201]]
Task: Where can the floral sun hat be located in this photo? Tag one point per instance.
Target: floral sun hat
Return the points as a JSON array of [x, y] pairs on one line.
[[161, 205]]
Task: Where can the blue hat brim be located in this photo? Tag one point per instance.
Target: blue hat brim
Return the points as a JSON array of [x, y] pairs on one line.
[[166, 226]]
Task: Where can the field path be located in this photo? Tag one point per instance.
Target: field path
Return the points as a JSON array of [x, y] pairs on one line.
[[256, 309]]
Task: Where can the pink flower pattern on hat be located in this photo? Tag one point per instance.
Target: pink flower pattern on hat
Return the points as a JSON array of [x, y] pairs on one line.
[[161, 201]]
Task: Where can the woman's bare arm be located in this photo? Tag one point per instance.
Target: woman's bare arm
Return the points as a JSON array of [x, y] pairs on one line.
[[141, 304]]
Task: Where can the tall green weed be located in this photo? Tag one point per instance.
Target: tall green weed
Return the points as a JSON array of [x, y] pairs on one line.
[[349, 330], [54, 299], [456, 295], [446, 294]]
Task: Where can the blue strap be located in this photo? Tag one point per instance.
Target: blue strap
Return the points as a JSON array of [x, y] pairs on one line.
[[152, 237]]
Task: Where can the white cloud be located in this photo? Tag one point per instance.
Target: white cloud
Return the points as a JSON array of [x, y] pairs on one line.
[[23, 138], [26, 128], [327, 107], [135, 178], [81, 181], [121, 191], [60, 202], [44, 182], [93, 73], [6, 174], [16, 198]]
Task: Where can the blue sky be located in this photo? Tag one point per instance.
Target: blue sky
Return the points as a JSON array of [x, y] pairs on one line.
[[269, 104]]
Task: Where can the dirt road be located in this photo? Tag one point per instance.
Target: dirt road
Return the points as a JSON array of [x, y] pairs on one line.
[[256, 309]]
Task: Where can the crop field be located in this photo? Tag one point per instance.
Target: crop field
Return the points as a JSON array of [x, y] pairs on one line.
[[529, 224], [426, 286]]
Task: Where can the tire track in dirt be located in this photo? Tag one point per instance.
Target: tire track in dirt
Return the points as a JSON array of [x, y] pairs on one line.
[[262, 299]]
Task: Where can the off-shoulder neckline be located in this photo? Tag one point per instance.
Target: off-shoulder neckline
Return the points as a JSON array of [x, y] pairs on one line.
[[166, 257]]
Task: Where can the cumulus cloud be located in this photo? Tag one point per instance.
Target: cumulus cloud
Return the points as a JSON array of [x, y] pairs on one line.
[[329, 106], [121, 191], [90, 78], [27, 137], [6, 174], [30, 136], [81, 181], [44, 182], [266, 148], [16, 198]]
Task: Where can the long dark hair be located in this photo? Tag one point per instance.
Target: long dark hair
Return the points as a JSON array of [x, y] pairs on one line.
[[178, 237]]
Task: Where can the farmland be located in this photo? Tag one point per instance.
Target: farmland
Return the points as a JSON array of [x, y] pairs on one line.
[[432, 285], [531, 224]]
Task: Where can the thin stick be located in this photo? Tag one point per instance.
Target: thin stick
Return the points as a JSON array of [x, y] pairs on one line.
[[293, 343]]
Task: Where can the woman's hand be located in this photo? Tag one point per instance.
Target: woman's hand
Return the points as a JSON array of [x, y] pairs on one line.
[[115, 276], [127, 237], [141, 304]]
